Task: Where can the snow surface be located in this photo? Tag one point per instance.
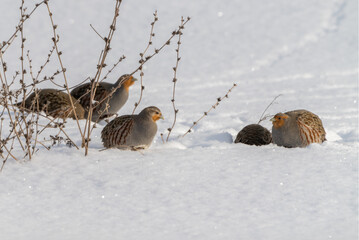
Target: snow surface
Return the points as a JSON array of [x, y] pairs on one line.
[[201, 186]]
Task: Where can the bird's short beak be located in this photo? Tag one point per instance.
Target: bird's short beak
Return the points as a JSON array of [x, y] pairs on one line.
[[131, 78], [272, 119], [162, 117]]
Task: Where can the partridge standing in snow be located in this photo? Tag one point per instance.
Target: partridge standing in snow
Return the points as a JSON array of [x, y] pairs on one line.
[[132, 132], [297, 128], [254, 134], [107, 105], [54, 103]]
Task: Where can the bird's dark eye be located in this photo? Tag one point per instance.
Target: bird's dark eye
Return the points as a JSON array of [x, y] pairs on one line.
[[157, 113], [279, 118]]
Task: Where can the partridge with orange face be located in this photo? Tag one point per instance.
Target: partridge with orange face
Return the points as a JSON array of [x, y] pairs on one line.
[[54, 103], [132, 132], [105, 104], [297, 128]]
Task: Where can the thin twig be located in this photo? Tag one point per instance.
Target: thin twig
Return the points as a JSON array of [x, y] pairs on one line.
[[271, 103], [107, 48], [55, 40], [18, 27], [46, 78], [178, 58], [97, 33], [146, 59], [213, 107], [46, 62], [9, 154], [113, 67], [5, 88], [33, 115], [22, 80], [86, 79], [152, 34]]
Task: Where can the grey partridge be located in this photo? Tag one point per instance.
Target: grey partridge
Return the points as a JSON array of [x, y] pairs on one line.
[[254, 134], [54, 103], [105, 104], [132, 132], [297, 128]]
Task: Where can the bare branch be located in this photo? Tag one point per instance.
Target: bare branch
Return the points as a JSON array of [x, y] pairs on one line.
[[103, 55], [97, 33], [55, 40], [270, 104], [178, 58], [142, 55], [213, 107], [18, 27]]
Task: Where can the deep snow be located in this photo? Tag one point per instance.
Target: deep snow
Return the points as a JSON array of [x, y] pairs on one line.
[[201, 186]]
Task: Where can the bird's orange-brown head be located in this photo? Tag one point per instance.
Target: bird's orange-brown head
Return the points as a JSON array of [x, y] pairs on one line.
[[129, 82], [279, 120], [157, 115], [154, 113]]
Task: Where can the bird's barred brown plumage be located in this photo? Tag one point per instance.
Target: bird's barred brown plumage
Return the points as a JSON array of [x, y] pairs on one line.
[[254, 134], [132, 131], [116, 131], [297, 128], [84, 96], [309, 134], [54, 103], [108, 99]]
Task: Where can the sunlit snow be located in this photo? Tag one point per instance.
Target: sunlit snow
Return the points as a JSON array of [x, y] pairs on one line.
[[201, 186]]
